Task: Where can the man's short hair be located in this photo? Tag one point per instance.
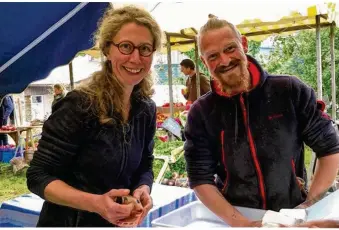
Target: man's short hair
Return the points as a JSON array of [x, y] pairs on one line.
[[215, 23], [188, 63]]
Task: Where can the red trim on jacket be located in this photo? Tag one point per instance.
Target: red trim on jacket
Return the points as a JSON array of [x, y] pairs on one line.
[[224, 161], [254, 154], [255, 78]]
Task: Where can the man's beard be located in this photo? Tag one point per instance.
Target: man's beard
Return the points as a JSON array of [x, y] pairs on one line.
[[236, 82]]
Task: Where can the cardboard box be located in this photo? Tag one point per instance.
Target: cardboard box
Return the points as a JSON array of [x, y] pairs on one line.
[[166, 110]]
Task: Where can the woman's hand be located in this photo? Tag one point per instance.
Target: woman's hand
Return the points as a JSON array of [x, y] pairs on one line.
[[142, 193], [106, 207]]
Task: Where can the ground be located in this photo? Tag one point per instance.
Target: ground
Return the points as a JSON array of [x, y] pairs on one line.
[[11, 185], [15, 185]]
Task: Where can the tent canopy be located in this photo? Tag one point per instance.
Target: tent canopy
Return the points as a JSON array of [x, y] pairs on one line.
[[37, 37], [83, 67], [258, 30]]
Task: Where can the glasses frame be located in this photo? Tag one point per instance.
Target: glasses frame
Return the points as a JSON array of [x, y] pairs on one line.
[[134, 47]]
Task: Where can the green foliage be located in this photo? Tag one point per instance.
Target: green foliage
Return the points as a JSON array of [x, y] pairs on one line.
[[254, 48], [178, 80], [202, 68], [296, 55], [165, 148]]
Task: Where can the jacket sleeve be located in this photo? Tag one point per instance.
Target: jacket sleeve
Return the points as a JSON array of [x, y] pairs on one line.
[[144, 175], [58, 145], [200, 162], [188, 87], [317, 130], [205, 85]]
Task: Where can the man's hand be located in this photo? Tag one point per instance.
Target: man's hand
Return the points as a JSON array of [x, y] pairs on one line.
[[248, 223], [142, 193], [184, 92], [319, 224], [324, 176], [211, 197]]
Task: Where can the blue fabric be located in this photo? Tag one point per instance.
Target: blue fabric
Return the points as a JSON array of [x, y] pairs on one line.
[[21, 23]]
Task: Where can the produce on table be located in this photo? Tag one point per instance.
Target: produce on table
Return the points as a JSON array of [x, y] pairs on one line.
[[176, 172], [7, 128]]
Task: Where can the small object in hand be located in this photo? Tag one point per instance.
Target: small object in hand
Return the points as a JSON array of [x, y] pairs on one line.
[[133, 220]]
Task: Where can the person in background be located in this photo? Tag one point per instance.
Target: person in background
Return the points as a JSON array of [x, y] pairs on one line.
[[6, 114], [190, 92], [59, 93], [250, 132], [97, 145]]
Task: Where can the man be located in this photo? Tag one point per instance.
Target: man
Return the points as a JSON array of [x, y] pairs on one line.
[[188, 68], [6, 111], [59, 93], [250, 131]]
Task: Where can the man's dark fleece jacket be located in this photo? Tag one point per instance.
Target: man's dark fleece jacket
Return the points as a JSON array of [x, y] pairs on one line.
[[254, 141]]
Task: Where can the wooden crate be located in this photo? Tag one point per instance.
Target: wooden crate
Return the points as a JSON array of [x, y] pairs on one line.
[[166, 110]]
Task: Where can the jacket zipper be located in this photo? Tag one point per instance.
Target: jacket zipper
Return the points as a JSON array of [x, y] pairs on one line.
[[253, 153], [224, 161]]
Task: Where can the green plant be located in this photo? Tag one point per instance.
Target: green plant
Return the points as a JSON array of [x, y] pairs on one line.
[[165, 148], [11, 185]]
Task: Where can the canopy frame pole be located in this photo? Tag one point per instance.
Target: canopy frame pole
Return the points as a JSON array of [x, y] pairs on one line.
[[71, 79], [319, 68], [196, 59], [333, 83], [169, 69]]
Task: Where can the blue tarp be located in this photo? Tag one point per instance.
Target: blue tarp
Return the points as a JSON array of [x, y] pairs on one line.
[[37, 37]]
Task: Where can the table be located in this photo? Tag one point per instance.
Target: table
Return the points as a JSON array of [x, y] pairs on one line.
[[24, 210], [15, 135]]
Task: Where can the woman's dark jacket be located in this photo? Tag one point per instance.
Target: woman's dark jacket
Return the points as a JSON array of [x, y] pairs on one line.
[[91, 157]]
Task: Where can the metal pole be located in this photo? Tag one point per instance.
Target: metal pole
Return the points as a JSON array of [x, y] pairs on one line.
[[70, 66], [319, 69], [169, 66], [333, 91], [196, 58]]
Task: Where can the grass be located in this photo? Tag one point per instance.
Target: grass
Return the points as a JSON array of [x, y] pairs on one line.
[[308, 156], [11, 185], [15, 185]]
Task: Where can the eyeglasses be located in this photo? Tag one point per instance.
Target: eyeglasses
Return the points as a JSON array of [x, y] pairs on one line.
[[127, 48]]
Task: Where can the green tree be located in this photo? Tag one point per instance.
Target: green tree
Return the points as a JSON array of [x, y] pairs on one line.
[[296, 55], [254, 48], [191, 55]]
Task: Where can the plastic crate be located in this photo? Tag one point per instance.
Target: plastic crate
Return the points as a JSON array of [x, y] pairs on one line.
[[7, 155]]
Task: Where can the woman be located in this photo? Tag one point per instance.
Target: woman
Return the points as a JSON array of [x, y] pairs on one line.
[[97, 144]]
